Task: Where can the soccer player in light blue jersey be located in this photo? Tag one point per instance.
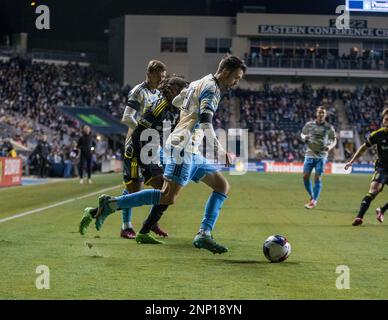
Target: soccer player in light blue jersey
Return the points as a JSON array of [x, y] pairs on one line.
[[197, 103], [320, 139]]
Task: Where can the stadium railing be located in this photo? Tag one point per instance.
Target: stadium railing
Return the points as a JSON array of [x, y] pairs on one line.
[[319, 63]]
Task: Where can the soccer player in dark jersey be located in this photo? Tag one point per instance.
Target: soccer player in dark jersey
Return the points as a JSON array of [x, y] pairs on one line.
[[154, 118], [380, 177], [140, 98]]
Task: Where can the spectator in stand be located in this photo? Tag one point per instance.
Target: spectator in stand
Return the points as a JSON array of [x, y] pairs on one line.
[[8, 150], [41, 154], [74, 156], [86, 146]]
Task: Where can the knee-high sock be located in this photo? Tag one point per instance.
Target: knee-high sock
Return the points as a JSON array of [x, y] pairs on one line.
[[127, 212], [93, 212], [138, 199], [309, 187], [317, 188], [384, 208], [365, 204], [154, 216], [212, 210]]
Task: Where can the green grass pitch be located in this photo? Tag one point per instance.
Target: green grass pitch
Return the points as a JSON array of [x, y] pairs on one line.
[[103, 266]]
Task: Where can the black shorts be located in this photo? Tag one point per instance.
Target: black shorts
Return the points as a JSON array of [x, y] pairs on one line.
[[136, 171], [380, 176]]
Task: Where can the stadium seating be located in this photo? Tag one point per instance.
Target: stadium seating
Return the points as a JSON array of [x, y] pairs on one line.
[[30, 93]]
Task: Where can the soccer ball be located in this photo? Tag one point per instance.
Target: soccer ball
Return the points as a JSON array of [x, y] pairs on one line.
[[276, 248]]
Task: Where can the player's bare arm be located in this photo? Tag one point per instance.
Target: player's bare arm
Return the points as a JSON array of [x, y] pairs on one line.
[[356, 156]]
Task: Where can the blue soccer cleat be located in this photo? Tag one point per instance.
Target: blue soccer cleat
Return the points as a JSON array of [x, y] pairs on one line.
[[208, 243]]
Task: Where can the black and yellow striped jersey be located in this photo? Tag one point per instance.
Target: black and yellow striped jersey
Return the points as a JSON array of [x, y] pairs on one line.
[[379, 138], [161, 115], [160, 112]]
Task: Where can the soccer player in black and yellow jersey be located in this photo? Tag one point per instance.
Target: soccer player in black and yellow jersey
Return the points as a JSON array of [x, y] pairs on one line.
[[154, 118], [380, 177]]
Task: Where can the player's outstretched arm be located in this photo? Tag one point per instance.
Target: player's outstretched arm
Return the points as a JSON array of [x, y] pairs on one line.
[[208, 129], [356, 156]]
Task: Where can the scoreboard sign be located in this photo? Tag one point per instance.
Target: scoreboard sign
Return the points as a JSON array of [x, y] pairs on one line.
[[10, 172], [367, 5]]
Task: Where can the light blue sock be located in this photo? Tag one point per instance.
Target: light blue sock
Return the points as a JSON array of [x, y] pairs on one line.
[[309, 187], [126, 212], [212, 210], [138, 199], [317, 189]]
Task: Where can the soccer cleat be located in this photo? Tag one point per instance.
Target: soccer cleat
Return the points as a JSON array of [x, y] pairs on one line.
[[104, 210], [81, 181], [128, 233], [379, 215], [208, 243], [311, 205], [90, 181], [146, 238], [85, 221], [159, 231], [357, 221]]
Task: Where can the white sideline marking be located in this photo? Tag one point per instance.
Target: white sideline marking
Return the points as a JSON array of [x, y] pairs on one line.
[[21, 215]]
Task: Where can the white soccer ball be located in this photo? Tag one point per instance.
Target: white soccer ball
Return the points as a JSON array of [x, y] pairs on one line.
[[276, 248]]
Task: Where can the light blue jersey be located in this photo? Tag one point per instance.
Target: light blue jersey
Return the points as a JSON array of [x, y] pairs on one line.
[[201, 97]]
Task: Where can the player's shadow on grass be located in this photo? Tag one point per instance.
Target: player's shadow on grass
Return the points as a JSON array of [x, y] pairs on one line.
[[242, 261], [253, 262]]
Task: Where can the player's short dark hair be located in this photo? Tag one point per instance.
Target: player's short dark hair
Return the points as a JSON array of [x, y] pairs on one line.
[[177, 82], [232, 63], [385, 112], [156, 66]]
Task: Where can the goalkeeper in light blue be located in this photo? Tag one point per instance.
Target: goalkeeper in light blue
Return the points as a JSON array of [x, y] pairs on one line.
[[320, 139], [184, 163]]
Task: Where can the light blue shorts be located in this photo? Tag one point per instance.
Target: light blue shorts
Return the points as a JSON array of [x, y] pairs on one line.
[[317, 163], [193, 168]]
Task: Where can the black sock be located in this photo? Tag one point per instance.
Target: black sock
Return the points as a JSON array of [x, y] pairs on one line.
[[365, 204], [385, 208], [93, 212], [154, 216]]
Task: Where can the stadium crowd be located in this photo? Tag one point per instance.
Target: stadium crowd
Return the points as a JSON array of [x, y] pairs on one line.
[[30, 93], [276, 116]]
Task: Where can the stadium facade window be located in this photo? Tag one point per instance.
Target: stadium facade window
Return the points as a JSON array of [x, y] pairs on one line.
[[170, 44], [224, 45], [211, 45], [215, 45], [180, 44], [167, 44]]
